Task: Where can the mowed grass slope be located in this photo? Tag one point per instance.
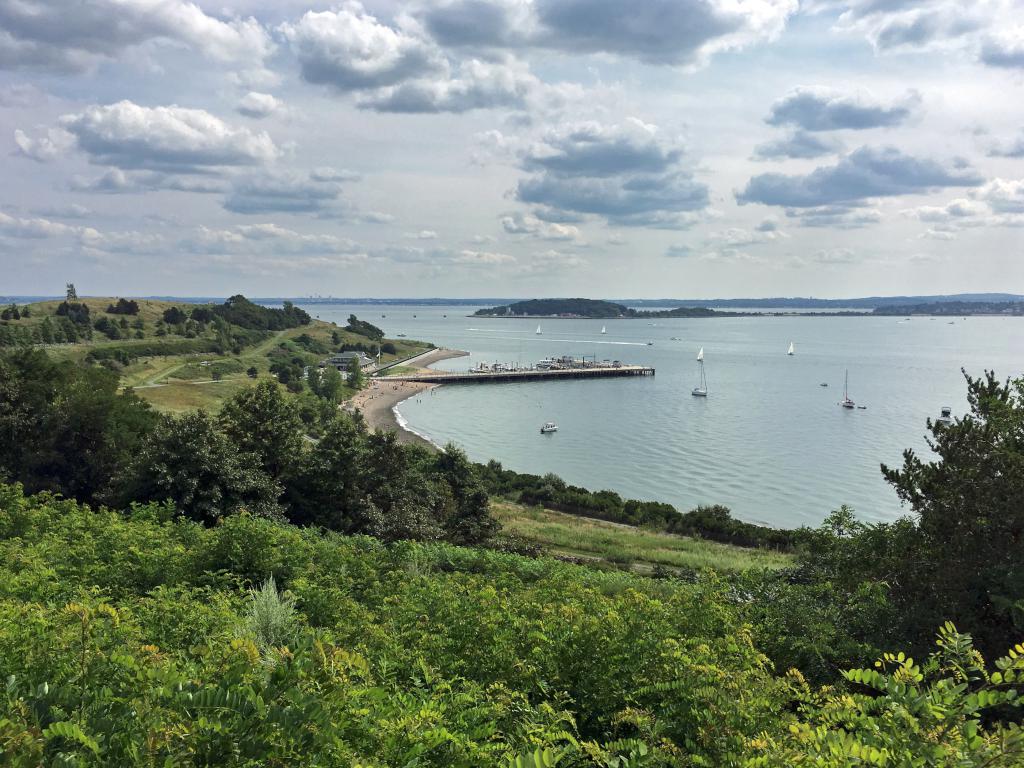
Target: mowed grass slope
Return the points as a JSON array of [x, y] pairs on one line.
[[642, 550]]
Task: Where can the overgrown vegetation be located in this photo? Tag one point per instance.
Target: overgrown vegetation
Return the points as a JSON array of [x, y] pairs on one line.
[[255, 643], [235, 611]]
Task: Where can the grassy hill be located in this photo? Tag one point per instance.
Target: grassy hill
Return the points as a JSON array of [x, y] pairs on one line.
[[186, 365]]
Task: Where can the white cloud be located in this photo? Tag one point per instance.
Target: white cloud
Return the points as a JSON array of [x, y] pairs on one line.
[[627, 174], [75, 36], [172, 139], [258, 105], [477, 85], [350, 50], [668, 32], [33, 228], [519, 223], [45, 147]]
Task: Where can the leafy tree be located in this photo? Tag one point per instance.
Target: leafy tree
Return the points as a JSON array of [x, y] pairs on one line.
[[329, 383], [174, 316], [202, 314], [190, 462], [356, 379], [470, 520], [65, 427], [264, 423], [965, 561], [252, 373], [331, 481], [46, 330], [363, 328], [239, 311], [124, 307]]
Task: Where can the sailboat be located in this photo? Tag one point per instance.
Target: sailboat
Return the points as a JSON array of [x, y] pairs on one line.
[[701, 390], [603, 329], [792, 350], [538, 330], [846, 402]]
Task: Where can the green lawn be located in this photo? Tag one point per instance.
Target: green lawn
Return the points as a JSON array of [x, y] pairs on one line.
[[563, 534]]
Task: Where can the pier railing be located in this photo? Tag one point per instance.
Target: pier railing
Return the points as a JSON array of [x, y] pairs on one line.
[[492, 377]]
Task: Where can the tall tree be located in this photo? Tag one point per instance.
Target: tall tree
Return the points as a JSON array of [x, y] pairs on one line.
[[190, 462], [356, 379], [966, 563], [469, 521], [264, 422], [65, 427]]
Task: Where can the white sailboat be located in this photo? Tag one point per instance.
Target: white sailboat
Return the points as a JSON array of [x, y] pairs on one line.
[[603, 329], [792, 350], [846, 402], [538, 330], [701, 390]]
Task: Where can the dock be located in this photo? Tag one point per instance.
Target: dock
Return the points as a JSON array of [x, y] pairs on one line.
[[590, 372]]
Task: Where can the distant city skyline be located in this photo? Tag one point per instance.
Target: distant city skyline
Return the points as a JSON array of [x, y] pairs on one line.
[[513, 148]]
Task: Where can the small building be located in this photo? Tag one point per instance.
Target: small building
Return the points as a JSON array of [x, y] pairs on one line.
[[343, 360]]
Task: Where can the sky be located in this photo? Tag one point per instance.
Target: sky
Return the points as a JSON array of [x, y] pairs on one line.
[[512, 148]]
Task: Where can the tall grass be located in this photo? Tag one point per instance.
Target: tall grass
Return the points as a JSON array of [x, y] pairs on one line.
[[570, 535]]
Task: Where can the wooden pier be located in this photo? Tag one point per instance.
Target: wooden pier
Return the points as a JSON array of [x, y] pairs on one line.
[[442, 377]]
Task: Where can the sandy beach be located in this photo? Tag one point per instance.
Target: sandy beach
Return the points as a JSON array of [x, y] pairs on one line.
[[378, 400]]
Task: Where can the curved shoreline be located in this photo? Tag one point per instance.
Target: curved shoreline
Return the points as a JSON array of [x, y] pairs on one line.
[[378, 403]]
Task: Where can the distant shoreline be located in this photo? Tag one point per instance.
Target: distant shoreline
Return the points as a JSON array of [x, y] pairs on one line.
[[716, 316]]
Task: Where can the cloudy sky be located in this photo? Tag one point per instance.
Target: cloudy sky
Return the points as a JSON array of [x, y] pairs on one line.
[[608, 148]]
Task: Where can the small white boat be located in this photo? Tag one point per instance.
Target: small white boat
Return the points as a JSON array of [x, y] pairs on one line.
[[846, 402], [791, 351], [549, 426], [946, 416], [538, 330], [604, 329], [701, 390]]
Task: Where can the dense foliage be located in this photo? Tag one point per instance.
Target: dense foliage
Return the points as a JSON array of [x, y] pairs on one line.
[[239, 311], [363, 328], [124, 307], [66, 428], [147, 639]]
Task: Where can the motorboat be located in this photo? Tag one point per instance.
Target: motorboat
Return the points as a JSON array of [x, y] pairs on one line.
[[945, 416], [549, 427]]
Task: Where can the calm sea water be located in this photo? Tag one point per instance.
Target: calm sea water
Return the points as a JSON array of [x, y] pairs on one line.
[[769, 442]]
